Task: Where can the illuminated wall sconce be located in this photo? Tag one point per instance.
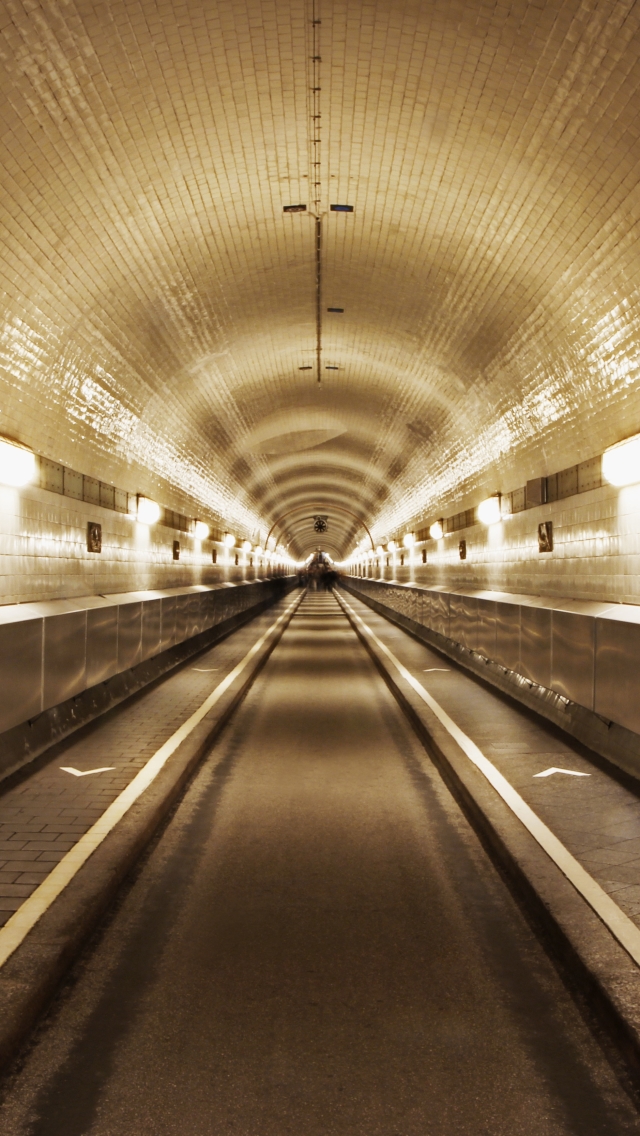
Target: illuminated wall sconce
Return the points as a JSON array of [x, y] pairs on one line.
[[409, 540], [621, 463], [436, 530], [392, 546], [148, 511], [246, 544], [176, 550], [17, 464], [94, 536], [489, 511], [229, 540], [201, 530]]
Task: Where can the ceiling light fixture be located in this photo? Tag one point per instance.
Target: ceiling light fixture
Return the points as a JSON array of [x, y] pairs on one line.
[[341, 208], [17, 464], [294, 208], [621, 463]]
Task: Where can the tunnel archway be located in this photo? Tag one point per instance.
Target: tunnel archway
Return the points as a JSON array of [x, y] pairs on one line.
[[332, 508]]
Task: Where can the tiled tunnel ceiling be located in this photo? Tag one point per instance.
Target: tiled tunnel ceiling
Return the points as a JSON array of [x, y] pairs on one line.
[[158, 307]]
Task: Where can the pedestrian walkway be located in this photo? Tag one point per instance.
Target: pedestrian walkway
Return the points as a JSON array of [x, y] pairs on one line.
[[316, 945], [45, 809], [594, 811]]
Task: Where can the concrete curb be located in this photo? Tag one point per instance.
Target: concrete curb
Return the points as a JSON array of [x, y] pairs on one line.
[[30, 977], [590, 958]]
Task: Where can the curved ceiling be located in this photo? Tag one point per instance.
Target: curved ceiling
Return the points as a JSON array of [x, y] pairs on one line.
[[159, 307]]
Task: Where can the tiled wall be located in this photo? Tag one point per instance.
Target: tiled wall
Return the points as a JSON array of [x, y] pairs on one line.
[[596, 551], [43, 551]]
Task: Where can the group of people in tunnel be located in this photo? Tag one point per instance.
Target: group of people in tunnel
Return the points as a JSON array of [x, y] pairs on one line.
[[319, 574]]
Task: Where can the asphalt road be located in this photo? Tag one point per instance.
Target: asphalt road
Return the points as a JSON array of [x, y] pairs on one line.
[[316, 945]]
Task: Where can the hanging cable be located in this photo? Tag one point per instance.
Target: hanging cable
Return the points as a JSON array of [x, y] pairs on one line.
[[315, 178]]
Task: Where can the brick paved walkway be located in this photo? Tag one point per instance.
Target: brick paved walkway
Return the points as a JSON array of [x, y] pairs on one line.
[[596, 817], [43, 815]]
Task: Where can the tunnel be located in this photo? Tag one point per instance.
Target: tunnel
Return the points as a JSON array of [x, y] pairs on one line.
[[319, 567]]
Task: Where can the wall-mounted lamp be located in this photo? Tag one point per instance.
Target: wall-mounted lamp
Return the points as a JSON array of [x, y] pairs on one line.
[[229, 540], [409, 539], [392, 546], [246, 544], [148, 511], [621, 463], [201, 530], [436, 530], [17, 464], [489, 511]]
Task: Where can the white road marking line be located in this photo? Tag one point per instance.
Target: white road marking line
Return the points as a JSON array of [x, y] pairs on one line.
[[205, 670], [18, 926], [86, 772], [554, 769], [626, 932], [445, 670]]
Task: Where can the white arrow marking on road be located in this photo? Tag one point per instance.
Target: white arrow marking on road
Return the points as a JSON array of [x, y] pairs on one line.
[[569, 772], [86, 772]]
